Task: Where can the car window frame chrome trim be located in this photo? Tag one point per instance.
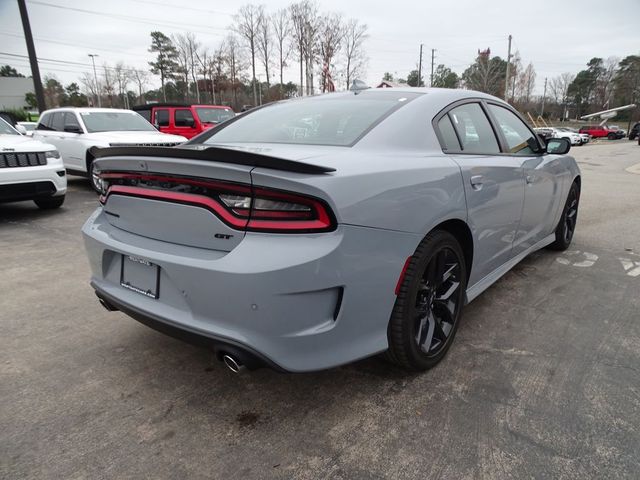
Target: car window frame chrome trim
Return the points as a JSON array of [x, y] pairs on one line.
[[502, 143]]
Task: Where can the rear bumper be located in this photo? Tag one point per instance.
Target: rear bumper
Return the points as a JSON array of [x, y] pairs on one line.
[[299, 302], [220, 346]]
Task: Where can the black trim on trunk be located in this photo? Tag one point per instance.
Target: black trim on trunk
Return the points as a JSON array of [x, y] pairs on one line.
[[212, 154]]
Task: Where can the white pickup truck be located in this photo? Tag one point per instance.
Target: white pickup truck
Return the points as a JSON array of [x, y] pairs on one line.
[[74, 131], [30, 170]]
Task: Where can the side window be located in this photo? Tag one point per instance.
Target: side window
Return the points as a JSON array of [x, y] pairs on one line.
[[516, 133], [448, 135], [474, 129], [146, 114], [184, 118], [70, 120], [162, 117], [57, 122], [44, 123]]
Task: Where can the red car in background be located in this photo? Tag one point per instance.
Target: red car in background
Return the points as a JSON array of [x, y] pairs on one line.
[[185, 120], [601, 131]]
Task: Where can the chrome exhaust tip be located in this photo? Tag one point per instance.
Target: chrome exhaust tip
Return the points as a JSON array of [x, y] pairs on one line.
[[232, 364], [107, 305]]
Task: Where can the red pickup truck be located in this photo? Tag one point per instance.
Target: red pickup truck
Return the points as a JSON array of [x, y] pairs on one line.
[[185, 120], [601, 131]]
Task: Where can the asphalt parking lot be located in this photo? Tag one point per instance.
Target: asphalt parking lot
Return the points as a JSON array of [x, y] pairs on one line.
[[543, 380]]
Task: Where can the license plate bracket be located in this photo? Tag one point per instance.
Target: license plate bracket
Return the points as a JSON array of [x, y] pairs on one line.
[[140, 276]]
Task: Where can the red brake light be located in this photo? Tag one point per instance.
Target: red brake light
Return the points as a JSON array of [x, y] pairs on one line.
[[240, 206]]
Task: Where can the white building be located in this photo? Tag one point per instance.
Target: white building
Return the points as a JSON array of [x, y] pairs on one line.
[[12, 92]]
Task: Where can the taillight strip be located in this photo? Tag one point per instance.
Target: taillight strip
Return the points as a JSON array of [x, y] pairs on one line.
[[183, 198], [276, 221]]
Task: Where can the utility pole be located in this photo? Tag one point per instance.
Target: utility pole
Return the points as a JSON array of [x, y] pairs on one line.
[[544, 95], [33, 60], [95, 77], [506, 78], [420, 67], [433, 53]]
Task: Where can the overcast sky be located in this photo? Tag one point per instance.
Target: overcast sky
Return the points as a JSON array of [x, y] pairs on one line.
[[557, 36]]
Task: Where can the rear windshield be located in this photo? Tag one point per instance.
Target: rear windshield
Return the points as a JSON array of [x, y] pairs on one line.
[[115, 122], [334, 119], [214, 115]]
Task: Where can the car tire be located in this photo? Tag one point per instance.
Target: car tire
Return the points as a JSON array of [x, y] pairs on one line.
[[50, 203], [92, 178], [429, 303], [611, 136], [567, 225]]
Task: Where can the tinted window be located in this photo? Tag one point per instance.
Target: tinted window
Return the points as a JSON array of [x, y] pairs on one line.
[[44, 122], [146, 114], [448, 134], [335, 119], [70, 120], [57, 123], [162, 118], [516, 133], [184, 118], [474, 129]]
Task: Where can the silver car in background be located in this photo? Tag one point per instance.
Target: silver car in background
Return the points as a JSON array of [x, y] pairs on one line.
[[313, 232]]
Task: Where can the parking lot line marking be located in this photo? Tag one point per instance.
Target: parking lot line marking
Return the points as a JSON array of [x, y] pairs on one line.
[[584, 259], [634, 169], [630, 267]]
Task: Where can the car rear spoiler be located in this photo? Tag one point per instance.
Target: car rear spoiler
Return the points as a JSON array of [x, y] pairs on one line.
[[213, 154]]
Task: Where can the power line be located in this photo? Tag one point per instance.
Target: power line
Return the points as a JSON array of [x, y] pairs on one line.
[[66, 62], [182, 7], [69, 44], [129, 18]]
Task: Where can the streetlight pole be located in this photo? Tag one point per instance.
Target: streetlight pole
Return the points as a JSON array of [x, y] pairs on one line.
[[95, 77]]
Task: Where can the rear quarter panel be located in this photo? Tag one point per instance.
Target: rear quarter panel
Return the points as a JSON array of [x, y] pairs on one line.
[[404, 192]]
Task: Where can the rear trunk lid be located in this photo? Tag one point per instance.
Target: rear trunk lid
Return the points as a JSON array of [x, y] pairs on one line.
[[173, 195], [172, 212]]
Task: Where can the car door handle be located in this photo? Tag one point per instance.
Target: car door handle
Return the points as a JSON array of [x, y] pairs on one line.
[[476, 182]]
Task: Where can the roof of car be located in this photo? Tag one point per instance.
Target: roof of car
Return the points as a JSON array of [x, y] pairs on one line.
[[149, 106], [86, 109]]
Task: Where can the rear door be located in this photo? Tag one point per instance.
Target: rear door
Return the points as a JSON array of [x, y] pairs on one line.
[[493, 183]]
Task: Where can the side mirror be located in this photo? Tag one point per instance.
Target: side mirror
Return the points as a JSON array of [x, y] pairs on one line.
[[72, 129], [156, 125], [558, 146], [21, 130]]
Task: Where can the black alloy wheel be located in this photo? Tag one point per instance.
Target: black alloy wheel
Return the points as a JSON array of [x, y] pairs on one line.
[[567, 225], [429, 305]]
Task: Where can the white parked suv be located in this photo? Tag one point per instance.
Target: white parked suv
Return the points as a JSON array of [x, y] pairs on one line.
[[74, 131], [30, 170]]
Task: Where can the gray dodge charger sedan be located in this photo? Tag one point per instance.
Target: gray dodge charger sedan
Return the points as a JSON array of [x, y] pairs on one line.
[[314, 232]]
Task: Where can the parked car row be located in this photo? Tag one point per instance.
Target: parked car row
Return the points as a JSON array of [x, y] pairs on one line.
[[570, 134], [73, 132]]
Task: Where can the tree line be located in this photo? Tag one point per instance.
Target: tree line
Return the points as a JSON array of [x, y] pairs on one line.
[[246, 68]]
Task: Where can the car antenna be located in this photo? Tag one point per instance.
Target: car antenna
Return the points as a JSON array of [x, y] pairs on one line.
[[357, 86]]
